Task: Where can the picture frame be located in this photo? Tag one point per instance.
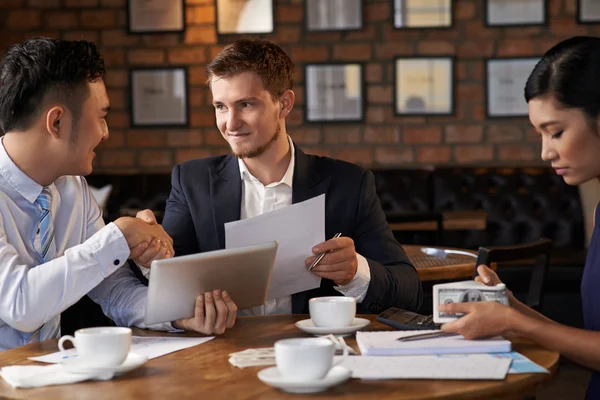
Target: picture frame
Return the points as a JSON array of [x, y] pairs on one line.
[[241, 17], [155, 16], [334, 92], [422, 14], [505, 81], [333, 15], [588, 11], [515, 13], [159, 97], [424, 86]]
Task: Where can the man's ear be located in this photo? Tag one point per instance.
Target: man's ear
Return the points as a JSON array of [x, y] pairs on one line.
[[287, 103], [55, 121]]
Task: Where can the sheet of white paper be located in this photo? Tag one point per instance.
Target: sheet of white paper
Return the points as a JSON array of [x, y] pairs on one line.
[[149, 346], [464, 366], [297, 228]]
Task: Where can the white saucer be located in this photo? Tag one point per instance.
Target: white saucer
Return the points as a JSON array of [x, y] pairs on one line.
[[82, 366], [336, 375], [308, 326]]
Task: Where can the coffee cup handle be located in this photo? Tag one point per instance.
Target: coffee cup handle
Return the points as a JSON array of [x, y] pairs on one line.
[[64, 339], [344, 355]]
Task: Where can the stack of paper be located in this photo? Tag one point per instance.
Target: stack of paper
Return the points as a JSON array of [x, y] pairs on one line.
[[386, 344]]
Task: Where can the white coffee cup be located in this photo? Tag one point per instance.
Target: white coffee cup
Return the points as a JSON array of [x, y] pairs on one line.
[[103, 346], [306, 359], [332, 312]]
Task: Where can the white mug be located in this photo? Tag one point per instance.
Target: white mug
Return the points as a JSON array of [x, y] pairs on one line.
[[332, 312], [306, 359], [103, 346]]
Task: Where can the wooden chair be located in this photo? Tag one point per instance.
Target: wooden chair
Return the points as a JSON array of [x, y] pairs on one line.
[[419, 216]]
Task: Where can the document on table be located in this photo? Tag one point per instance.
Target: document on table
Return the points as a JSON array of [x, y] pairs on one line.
[[463, 366], [521, 364], [297, 228], [149, 346]]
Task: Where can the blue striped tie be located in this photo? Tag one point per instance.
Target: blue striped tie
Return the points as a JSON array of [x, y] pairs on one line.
[[51, 329]]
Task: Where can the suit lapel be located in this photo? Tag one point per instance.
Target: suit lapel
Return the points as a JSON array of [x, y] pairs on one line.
[[225, 196]]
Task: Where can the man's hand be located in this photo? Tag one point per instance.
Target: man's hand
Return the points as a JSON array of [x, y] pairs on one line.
[[143, 254], [215, 311], [147, 241], [340, 262], [482, 319]]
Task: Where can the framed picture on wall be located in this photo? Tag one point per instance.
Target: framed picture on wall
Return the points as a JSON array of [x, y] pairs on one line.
[[422, 14], [156, 16], [424, 86], [505, 82], [333, 15], [588, 11], [236, 17], [334, 92], [515, 12], [159, 97]]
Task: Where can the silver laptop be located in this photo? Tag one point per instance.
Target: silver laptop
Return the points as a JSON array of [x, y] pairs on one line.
[[244, 272]]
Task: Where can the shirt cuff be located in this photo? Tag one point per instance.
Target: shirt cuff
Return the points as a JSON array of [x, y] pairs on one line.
[[109, 247], [359, 285]]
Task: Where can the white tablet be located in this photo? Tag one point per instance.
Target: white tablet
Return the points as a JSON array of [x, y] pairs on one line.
[[244, 272]]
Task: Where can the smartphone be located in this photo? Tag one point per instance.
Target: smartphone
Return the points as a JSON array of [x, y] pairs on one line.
[[404, 320]]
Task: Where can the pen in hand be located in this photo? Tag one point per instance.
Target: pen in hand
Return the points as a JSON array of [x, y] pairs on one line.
[[321, 255]]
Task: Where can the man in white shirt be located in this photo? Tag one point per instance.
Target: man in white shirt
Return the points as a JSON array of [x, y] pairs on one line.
[[54, 247], [251, 83]]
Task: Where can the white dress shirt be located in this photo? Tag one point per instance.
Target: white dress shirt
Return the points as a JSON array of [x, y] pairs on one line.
[[258, 199], [89, 258]]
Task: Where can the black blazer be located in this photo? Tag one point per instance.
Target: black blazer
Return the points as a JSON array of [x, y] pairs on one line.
[[206, 193]]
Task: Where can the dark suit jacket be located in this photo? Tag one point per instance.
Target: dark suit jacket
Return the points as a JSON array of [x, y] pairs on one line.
[[207, 193]]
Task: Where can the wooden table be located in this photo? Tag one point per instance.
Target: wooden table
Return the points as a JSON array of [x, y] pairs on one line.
[[431, 268], [203, 372], [452, 221]]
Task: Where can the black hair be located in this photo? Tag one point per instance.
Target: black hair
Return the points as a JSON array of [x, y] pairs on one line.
[[570, 72], [42, 69]]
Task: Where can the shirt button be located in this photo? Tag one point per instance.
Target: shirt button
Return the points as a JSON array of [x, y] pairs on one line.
[[116, 262], [38, 231]]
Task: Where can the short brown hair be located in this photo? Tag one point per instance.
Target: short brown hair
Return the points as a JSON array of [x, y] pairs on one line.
[[262, 57]]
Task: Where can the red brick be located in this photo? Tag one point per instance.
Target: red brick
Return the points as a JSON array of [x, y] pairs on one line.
[[199, 2], [190, 154], [200, 35], [81, 3], [463, 133], [441, 34], [305, 136], [434, 154], [473, 154], [118, 38], [375, 114], [464, 9], [102, 19], [24, 19], [162, 40], [346, 134], [61, 19], [477, 112], [213, 137], [504, 134], [185, 138], [387, 51], [318, 151], [524, 31], [570, 7], [376, 134], [555, 7], [91, 36], [368, 33], [462, 70], [190, 55], [374, 73], [155, 158], [357, 155], [394, 155], [352, 52], [392, 35], [299, 92], [116, 140], [11, 4], [113, 57], [146, 138], [476, 49], [516, 152], [422, 135], [197, 75], [200, 15], [116, 158], [202, 119], [380, 94], [295, 117], [470, 92], [322, 37], [113, 3], [118, 99], [515, 48], [309, 53], [477, 29], [43, 3], [117, 120], [288, 34], [567, 27], [215, 50], [435, 47], [289, 13], [116, 78], [378, 11], [146, 56]]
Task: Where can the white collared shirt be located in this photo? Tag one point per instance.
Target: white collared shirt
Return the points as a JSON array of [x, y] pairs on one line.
[[258, 199], [89, 258]]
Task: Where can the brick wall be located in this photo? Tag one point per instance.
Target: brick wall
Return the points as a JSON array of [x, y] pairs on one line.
[[384, 139]]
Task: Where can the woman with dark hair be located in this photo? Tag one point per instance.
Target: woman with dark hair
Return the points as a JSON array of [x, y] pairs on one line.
[[563, 96]]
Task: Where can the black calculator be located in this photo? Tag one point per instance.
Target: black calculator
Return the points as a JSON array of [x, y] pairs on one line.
[[404, 320]]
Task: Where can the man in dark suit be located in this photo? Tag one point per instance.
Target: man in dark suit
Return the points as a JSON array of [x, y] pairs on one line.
[[251, 83]]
